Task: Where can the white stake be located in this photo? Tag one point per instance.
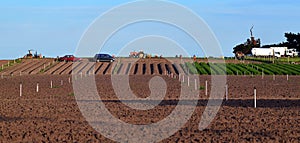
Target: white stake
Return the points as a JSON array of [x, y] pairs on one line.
[[206, 87], [226, 92], [81, 74], [69, 80], [188, 80], [262, 74], [254, 97], [44, 66], [51, 84], [183, 78], [195, 84], [179, 77], [2, 67], [273, 76], [37, 87], [20, 89], [287, 77], [20, 73]]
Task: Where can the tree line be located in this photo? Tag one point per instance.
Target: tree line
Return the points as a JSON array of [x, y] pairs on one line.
[[292, 41]]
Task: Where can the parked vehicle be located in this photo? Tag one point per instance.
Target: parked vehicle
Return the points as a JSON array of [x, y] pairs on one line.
[[104, 58], [292, 52], [274, 51], [240, 55], [279, 51], [69, 58], [260, 52]]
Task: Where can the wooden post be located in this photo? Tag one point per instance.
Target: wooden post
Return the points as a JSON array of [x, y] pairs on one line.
[[273, 56], [254, 97], [44, 66], [51, 84], [179, 77], [262, 74], [2, 67], [81, 75], [61, 82], [195, 84], [206, 87], [20, 73], [183, 78], [226, 92], [287, 77], [273, 76], [37, 87], [2, 76], [69, 80], [188, 80], [21, 86]]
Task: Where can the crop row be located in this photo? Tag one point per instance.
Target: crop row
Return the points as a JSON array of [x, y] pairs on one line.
[[242, 69]]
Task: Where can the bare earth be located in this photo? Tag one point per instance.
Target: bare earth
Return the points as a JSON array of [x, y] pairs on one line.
[[52, 115]]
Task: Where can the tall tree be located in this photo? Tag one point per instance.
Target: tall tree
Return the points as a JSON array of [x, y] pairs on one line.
[[292, 41]]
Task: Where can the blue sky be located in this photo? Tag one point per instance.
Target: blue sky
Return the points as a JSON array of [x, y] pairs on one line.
[[54, 27]]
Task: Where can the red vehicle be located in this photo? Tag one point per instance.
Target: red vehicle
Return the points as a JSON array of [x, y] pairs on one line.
[[69, 58]]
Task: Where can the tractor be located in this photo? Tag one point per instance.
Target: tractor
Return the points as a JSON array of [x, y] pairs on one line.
[[140, 54], [33, 56]]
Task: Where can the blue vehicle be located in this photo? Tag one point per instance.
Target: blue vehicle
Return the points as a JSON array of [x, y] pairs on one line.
[[104, 58]]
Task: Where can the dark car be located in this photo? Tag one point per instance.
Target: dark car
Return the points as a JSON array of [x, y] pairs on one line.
[[69, 58], [104, 58]]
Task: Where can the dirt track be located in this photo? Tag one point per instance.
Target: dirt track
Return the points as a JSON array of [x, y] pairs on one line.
[[52, 115]]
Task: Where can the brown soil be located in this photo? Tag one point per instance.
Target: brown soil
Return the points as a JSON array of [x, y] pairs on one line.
[[121, 66], [3, 62], [52, 115]]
